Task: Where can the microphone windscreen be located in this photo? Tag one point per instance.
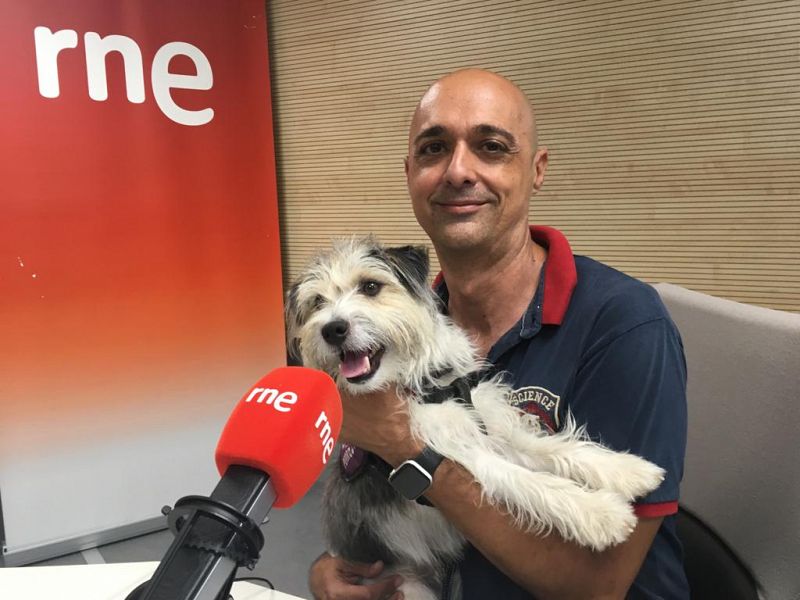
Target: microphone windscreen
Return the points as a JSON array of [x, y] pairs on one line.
[[286, 425]]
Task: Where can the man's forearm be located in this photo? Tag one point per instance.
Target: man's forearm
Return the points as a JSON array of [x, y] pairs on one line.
[[546, 566]]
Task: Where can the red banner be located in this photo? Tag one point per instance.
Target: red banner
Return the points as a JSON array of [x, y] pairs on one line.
[[139, 247]]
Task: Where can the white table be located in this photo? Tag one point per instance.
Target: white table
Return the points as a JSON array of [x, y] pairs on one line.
[[100, 582]]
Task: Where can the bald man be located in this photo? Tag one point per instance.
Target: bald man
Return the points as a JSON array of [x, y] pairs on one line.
[[570, 333]]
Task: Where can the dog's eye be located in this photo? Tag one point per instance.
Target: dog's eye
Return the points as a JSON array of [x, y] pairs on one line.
[[370, 288], [317, 303]]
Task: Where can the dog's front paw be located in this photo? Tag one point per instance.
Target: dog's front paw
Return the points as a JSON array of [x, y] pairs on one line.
[[608, 520], [636, 477], [542, 502], [596, 519], [602, 469]]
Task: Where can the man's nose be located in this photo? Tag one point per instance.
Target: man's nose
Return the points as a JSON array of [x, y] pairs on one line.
[[461, 168]]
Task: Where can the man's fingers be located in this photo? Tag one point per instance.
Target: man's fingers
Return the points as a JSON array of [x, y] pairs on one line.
[[369, 570]]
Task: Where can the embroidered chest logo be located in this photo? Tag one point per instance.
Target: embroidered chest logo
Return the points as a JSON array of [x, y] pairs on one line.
[[539, 402]]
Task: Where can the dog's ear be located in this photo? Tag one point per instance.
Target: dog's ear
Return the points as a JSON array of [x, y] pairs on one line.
[[292, 307], [411, 265], [293, 320], [294, 356]]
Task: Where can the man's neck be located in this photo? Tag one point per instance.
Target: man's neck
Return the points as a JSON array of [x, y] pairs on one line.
[[487, 297]]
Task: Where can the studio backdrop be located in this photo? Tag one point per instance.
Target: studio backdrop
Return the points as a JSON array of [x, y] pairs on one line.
[[140, 284]]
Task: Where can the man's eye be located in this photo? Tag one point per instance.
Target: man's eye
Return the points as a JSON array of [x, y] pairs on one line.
[[493, 146], [431, 149], [370, 288]]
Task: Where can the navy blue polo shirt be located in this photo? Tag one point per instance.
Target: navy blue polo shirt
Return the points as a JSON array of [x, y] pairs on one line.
[[601, 345]]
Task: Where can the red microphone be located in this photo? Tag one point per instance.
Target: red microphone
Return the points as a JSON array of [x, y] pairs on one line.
[[273, 448], [286, 425]]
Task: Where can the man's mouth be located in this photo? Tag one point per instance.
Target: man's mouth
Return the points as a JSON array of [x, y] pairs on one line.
[[359, 366], [459, 204], [460, 209], [461, 198]]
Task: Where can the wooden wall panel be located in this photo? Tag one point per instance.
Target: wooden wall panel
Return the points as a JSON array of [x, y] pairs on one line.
[[673, 127]]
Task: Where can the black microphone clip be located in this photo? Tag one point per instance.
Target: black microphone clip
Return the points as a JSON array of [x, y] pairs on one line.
[[213, 537]]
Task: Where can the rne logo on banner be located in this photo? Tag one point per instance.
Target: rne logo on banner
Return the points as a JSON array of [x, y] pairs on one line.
[[50, 43]]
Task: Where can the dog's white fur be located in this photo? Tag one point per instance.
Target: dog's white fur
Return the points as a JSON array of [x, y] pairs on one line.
[[561, 482]]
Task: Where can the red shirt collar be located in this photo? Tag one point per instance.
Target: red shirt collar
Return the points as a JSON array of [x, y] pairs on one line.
[[560, 275]]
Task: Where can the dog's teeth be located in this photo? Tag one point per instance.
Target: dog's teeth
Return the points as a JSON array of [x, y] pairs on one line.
[[354, 365]]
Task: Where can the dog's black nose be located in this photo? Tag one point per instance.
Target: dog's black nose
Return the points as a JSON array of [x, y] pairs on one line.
[[335, 332]]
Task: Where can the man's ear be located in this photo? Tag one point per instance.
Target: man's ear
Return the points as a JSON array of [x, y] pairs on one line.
[[411, 266], [539, 167]]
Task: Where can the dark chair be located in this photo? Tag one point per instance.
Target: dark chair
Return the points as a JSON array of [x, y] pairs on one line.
[[713, 570]]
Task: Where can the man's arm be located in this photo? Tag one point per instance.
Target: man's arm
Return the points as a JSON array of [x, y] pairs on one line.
[[646, 364], [546, 566]]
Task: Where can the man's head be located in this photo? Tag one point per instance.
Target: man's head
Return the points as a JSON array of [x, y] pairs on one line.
[[473, 160]]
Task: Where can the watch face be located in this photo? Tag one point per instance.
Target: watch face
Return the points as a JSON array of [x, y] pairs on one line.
[[410, 480]]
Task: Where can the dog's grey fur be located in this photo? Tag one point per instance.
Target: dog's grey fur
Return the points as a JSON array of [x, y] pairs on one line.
[[561, 482]]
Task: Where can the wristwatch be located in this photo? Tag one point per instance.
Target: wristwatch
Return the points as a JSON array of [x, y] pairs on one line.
[[415, 476]]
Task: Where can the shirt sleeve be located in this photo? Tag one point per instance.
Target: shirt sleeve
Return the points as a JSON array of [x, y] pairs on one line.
[[630, 392]]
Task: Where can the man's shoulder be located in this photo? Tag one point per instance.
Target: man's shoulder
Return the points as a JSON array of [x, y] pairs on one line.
[[614, 297]]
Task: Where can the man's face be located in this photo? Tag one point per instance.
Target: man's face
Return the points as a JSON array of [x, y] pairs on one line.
[[471, 165]]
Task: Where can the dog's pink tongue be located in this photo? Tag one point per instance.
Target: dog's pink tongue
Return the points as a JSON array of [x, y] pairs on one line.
[[354, 365]]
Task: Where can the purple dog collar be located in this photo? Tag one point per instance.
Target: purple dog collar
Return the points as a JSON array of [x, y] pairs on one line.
[[352, 461]]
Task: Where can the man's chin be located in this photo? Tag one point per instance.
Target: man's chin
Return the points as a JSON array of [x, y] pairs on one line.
[[463, 235]]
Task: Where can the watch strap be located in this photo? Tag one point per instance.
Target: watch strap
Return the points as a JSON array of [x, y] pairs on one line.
[[429, 459]]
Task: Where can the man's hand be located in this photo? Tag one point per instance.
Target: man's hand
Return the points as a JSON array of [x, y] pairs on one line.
[[379, 422], [333, 578]]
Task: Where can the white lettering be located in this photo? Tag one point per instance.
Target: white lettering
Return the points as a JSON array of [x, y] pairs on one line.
[[96, 50], [327, 450], [325, 434], [163, 81], [280, 401], [48, 45], [284, 399], [262, 393]]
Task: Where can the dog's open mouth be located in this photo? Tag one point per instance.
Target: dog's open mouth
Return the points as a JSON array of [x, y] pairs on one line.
[[359, 366]]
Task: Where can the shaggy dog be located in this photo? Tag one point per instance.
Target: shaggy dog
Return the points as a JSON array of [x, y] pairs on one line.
[[364, 314]]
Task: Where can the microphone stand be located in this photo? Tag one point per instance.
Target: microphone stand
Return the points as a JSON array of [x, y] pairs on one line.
[[213, 537]]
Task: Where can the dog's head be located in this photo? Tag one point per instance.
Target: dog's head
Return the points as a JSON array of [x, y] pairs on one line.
[[362, 312]]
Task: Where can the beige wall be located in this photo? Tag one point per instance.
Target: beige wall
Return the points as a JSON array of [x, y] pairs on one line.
[[673, 127]]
